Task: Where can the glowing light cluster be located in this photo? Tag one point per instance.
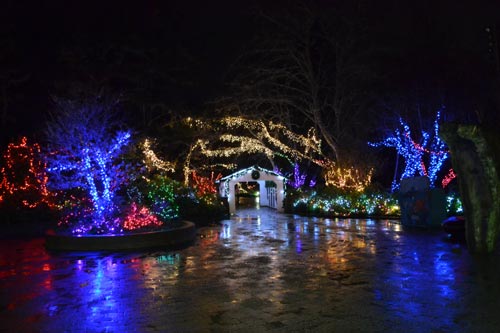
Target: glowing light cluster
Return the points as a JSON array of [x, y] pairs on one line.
[[205, 185], [348, 205], [161, 198], [139, 217], [235, 136], [347, 178], [454, 204], [310, 143], [24, 177], [448, 178], [152, 161], [413, 151], [299, 178]]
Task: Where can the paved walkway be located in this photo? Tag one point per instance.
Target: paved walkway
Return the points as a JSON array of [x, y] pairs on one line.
[[259, 272]]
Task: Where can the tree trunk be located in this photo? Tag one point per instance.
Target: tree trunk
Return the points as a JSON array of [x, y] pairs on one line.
[[475, 154]]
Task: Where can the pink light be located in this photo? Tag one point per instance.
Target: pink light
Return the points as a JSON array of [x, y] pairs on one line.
[[448, 178]]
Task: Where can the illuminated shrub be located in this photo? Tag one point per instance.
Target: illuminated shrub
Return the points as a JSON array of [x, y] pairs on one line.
[[204, 185], [139, 218], [23, 179], [334, 202], [160, 196]]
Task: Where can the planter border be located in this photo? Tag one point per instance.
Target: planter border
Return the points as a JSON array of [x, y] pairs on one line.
[[167, 238]]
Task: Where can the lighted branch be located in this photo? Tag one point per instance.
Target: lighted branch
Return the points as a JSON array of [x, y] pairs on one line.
[[347, 178], [236, 136], [413, 152], [152, 161]]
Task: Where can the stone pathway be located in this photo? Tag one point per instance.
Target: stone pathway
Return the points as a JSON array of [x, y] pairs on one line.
[[258, 272]]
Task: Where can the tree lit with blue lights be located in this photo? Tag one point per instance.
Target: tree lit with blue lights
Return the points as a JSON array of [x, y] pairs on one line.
[[85, 146], [415, 153]]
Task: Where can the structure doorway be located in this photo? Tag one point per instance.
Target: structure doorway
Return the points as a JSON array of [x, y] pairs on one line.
[[270, 192]]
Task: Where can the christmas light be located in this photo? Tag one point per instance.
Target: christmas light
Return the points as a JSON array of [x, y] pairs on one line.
[[23, 176], [85, 156], [161, 197], [348, 204], [205, 185], [454, 204], [298, 178], [413, 152], [448, 178], [347, 178], [235, 136], [152, 161], [138, 218]]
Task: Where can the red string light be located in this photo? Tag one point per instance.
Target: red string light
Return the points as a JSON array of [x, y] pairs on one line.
[[139, 218], [205, 185], [24, 175], [448, 178]]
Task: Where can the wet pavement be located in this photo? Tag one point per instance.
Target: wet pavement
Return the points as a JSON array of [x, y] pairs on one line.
[[258, 272]]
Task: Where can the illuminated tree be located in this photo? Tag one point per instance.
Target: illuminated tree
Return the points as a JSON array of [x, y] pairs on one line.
[[415, 152], [23, 178], [237, 136], [85, 145]]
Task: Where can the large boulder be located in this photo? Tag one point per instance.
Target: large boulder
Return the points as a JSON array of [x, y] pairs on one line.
[[475, 154]]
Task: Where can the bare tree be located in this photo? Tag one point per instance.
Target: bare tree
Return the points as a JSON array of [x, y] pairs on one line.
[[304, 73]]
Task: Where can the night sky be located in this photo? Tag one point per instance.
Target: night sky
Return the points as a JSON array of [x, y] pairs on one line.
[[180, 54]]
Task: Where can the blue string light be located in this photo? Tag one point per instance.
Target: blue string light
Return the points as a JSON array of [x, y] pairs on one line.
[[413, 151]]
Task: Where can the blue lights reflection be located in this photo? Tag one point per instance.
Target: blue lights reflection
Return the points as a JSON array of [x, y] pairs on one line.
[[390, 275]]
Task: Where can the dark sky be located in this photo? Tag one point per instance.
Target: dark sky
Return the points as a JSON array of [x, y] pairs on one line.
[[202, 40]]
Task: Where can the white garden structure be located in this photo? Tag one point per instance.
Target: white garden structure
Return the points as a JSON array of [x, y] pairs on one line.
[[271, 185]]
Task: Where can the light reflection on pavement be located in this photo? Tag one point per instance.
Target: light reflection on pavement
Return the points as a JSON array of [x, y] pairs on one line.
[[259, 271]]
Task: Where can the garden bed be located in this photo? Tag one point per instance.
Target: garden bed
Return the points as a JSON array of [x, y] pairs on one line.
[[179, 236]]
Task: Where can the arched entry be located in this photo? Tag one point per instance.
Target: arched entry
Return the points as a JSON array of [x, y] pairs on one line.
[[271, 184]]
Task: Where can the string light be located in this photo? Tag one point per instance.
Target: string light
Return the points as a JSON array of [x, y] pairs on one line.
[[205, 185], [152, 161], [347, 178], [91, 162], [24, 176], [348, 204], [138, 218], [299, 179], [161, 198], [413, 152], [448, 178], [240, 136]]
